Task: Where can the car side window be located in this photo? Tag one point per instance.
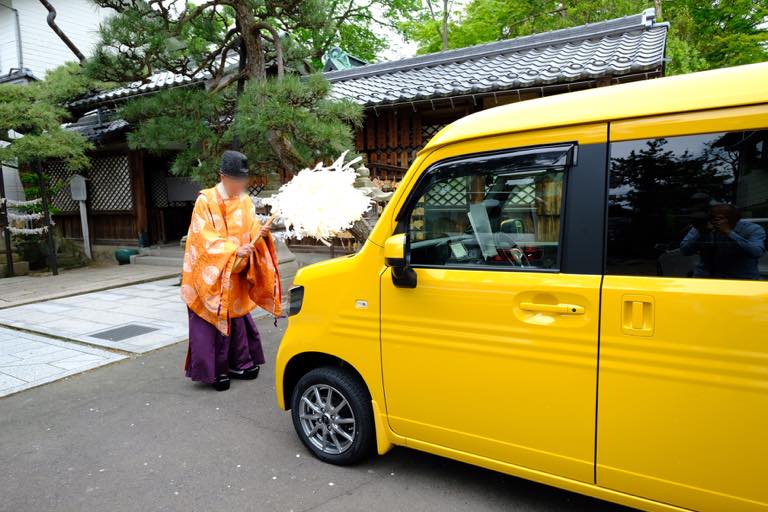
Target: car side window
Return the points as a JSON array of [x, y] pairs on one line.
[[689, 206], [491, 211]]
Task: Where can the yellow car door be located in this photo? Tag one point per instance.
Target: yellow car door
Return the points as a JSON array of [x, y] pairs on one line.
[[492, 350], [683, 388]]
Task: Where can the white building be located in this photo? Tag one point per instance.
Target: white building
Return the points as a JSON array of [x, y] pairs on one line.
[[27, 42], [29, 47]]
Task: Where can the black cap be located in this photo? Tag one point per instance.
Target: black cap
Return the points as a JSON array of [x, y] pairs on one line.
[[234, 164]]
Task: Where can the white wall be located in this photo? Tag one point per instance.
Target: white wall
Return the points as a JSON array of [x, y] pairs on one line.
[[41, 47], [8, 56], [13, 188]]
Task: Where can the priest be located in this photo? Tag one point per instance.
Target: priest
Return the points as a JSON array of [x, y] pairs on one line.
[[230, 268]]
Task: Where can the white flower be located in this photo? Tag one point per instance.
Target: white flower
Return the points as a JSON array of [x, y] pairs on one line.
[[320, 202]]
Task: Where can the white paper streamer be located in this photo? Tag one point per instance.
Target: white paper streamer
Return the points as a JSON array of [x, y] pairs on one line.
[[25, 216], [28, 231], [12, 203], [320, 202]]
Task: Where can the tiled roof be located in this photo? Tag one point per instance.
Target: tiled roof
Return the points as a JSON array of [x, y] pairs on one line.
[[156, 82], [94, 127], [618, 47], [18, 76]]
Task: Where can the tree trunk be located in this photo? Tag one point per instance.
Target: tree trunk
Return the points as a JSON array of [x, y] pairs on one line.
[[445, 25], [278, 46], [284, 151], [254, 68]]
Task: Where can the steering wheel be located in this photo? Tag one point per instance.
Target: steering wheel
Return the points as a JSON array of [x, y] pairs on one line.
[[519, 257], [508, 249]]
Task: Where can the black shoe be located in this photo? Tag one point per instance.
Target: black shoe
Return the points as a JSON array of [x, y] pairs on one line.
[[222, 383], [249, 374]]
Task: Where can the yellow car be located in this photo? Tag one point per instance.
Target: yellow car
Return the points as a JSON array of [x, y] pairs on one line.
[[508, 309]]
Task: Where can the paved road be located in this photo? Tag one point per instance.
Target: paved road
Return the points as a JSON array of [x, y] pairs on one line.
[[136, 436]]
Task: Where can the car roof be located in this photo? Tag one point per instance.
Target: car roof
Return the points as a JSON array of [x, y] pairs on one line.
[[726, 87]]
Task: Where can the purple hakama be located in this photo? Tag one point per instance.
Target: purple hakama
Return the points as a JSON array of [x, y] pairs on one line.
[[211, 353]]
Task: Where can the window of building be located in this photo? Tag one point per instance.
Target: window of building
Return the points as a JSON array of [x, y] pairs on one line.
[[690, 206]]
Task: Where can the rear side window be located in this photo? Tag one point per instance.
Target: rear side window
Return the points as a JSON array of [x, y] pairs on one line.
[[501, 211], [691, 206]]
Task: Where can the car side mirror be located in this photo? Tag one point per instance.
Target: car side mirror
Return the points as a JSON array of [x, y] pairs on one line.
[[396, 256], [394, 250]]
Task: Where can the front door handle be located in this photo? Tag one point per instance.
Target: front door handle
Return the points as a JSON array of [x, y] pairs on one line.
[[562, 309]]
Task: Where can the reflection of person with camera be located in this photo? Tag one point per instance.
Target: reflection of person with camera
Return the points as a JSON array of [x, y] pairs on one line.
[[729, 247]]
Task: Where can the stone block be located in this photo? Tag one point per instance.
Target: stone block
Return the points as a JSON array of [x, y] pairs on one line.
[[20, 268]]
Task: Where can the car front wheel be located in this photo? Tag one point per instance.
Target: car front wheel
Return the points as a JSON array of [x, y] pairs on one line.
[[331, 411]]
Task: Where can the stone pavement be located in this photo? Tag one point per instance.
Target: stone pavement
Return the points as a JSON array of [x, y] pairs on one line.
[[136, 318], [15, 291], [28, 360]]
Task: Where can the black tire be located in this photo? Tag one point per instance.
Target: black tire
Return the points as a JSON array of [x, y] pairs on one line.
[[349, 387]]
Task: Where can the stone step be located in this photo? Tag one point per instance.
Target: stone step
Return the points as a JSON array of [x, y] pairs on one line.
[[69, 261], [161, 261], [16, 256], [174, 257], [20, 268], [166, 251]]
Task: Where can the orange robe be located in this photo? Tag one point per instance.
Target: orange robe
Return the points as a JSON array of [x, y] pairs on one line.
[[211, 285]]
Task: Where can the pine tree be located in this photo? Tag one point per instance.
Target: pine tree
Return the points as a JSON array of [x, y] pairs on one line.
[[274, 41], [31, 118]]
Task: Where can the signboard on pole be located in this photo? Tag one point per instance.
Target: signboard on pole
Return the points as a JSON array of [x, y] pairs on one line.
[[79, 193]]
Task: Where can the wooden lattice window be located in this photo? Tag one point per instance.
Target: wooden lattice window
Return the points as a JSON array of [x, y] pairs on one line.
[[255, 188], [158, 190], [59, 175], [430, 130], [448, 193], [110, 184]]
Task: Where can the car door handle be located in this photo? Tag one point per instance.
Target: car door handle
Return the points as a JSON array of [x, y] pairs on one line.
[[638, 316], [563, 309]]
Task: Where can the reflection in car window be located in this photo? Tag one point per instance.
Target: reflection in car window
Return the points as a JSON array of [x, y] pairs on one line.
[[690, 206], [500, 211]]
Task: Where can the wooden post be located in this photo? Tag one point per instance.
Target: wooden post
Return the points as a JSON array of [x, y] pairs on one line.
[[52, 260], [84, 224], [6, 225], [370, 131], [138, 183]]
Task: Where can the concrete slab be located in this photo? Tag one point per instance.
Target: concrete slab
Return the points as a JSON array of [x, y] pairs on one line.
[[28, 360], [156, 306]]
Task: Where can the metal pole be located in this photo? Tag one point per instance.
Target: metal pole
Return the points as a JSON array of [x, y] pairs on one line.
[[6, 224], [52, 260]]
